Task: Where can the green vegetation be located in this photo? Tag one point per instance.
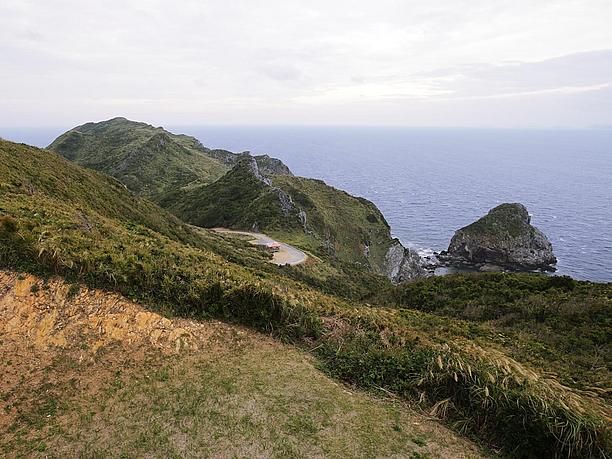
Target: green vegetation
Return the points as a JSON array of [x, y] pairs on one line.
[[556, 323], [501, 221], [182, 176], [149, 161], [340, 225], [241, 395], [59, 218], [239, 199]]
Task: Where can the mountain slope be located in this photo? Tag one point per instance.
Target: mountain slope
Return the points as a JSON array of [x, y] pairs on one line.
[[349, 228], [306, 212], [460, 370], [181, 175], [59, 202], [149, 161], [242, 198]]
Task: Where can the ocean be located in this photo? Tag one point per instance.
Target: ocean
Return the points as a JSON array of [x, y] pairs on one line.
[[430, 182]]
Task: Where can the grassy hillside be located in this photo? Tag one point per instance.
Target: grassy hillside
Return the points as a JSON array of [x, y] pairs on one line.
[[308, 213], [240, 199], [456, 369], [106, 378], [148, 160], [556, 323], [339, 224], [181, 175], [65, 205]]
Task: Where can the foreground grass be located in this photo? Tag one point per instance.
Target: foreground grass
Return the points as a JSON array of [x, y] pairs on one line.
[[265, 402], [451, 366], [119, 388]]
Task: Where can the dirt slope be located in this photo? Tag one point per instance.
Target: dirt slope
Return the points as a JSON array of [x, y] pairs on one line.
[[86, 372]]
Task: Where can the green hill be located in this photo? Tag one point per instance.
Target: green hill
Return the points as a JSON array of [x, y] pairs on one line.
[[349, 228], [308, 213], [258, 193], [427, 345], [148, 160], [243, 198]]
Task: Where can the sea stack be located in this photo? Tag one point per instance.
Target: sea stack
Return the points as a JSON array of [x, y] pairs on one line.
[[504, 237]]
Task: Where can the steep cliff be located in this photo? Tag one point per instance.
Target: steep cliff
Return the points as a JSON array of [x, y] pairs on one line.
[[402, 264]]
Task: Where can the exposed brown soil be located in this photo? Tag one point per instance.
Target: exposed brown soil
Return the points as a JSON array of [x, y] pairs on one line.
[[59, 337]]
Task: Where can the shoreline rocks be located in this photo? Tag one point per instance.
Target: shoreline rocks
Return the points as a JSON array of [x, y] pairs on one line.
[[402, 264]]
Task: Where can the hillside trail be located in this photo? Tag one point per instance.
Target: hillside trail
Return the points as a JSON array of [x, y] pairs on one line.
[[286, 255]]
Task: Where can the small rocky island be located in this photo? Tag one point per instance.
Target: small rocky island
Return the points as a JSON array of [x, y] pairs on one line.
[[502, 239]]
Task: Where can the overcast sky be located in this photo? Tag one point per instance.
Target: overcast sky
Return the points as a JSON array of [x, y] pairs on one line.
[[480, 63]]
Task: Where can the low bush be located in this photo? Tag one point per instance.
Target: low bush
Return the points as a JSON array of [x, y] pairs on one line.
[[554, 322], [477, 391]]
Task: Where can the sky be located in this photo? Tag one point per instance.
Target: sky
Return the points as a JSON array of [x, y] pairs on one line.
[[460, 63]]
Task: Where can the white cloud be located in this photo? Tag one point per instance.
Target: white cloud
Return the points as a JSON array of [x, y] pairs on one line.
[[317, 62]]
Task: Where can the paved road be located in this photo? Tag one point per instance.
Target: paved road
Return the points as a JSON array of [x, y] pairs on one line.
[[287, 255]]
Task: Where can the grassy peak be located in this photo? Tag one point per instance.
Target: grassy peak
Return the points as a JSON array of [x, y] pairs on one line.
[[512, 218]]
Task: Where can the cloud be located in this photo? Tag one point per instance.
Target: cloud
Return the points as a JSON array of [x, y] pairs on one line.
[[281, 72], [341, 62], [574, 70]]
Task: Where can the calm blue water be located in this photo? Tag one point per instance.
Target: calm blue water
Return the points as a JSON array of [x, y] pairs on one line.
[[430, 182]]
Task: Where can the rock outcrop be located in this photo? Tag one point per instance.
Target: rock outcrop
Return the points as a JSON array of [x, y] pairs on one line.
[[504, 237], [401, 264], [253, 167], [272, 166], [267, 165]]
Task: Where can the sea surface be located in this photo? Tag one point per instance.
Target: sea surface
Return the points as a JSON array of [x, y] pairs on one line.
[[430, 182]]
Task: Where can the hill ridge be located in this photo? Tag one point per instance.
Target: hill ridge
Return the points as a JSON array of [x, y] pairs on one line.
[[347, 230]]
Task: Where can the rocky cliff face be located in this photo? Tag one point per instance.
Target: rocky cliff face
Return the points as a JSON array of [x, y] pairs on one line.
[[253, 167], [267, 165], [402, 264], [503, 237], [272, 166]]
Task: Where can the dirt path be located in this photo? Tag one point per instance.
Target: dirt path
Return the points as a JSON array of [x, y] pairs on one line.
[[287, 255]]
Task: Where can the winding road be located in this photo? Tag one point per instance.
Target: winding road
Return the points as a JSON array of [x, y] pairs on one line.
[[286, 255]]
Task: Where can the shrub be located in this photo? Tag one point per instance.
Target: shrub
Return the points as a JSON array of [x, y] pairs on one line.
[[483, 391], [8, 226]]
